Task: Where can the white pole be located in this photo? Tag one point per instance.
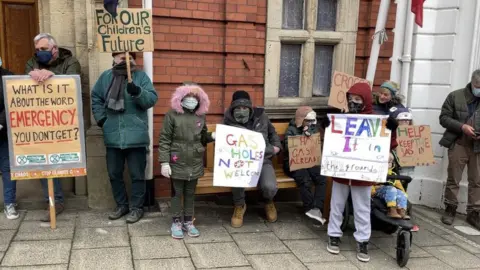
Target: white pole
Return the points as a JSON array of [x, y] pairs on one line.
[[148, 68], [399, 37], [407, 57], [381, 21]]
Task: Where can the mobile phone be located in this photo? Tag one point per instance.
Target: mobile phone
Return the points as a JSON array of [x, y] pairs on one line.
[[477, 133]]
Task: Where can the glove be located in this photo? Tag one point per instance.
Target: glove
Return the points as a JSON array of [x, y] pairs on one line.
[[166, 170], [392, 123], [101, 122], [276, 150], [326, 123], [132, 89], [213, 135]]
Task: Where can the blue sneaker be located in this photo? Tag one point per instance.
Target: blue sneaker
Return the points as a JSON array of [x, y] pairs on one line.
[[176, 229], [190, 229]]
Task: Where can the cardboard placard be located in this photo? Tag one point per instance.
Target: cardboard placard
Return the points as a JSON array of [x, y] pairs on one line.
[[46, 133], [356, 146], [414, 146], [238, 156], [304, 152], [130, 31], [341, 82]]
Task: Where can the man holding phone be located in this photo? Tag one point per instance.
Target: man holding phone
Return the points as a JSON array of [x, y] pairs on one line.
[[460, 117]]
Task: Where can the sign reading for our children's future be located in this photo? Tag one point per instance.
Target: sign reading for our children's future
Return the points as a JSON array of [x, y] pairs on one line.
[[46, 132], [130, 31], [304, 151], [356, 147], [341, 82], [239, 157], [414, 146]]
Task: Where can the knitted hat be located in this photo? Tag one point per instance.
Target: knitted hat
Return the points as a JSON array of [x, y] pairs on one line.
[[240, 94], [111, 7], [392, 86], [401, 113], [133, 55], [302, 113]]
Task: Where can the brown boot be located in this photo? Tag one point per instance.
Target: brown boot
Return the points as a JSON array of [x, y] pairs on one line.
[[237, 218], [392, 212], [270, 211], [473, 218], [449, 215], [59, 207], [403, 213]]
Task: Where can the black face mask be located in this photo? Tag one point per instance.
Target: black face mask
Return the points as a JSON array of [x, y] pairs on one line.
[[355, 107]]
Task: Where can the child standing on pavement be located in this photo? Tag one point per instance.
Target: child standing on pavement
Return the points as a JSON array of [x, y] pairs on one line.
[[181, 151], [359, 98], [305, 123]]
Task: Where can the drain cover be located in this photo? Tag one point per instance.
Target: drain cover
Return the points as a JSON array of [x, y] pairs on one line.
[[467, 230]]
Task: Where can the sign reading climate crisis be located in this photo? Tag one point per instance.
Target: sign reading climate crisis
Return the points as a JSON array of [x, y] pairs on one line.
[[130, 31], [46, 133]]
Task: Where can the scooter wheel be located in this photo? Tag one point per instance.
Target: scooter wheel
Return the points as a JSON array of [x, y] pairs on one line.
[[403, 247]]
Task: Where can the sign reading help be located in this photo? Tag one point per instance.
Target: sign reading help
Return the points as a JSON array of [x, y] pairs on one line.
[[130, 31], [414, 146], [46, 132], [341, 82], [238, 157], [356, 147], [304, 152]]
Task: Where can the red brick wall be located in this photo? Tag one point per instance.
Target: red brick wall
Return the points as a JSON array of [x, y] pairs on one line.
[[366, 28], [217, 43]]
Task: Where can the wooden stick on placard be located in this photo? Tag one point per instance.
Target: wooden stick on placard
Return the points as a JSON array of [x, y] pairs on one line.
[[127, 58], [51, 201]]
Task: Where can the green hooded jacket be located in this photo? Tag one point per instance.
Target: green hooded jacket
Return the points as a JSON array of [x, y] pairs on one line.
[[65, 64]]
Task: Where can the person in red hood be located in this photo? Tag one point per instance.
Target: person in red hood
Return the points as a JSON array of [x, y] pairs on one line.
[[359, 98]]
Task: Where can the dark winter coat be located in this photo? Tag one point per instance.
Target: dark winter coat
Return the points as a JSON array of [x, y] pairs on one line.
[[65, 64], [293, 130], [184, 136], [3, 115], [455, 114]]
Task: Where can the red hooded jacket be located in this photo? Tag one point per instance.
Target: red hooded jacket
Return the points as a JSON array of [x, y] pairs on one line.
[[363, 90]]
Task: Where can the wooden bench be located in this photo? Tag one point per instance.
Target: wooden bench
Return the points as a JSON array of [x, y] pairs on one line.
[[205, 184]]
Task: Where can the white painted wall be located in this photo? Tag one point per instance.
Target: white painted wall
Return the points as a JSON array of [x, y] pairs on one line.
[[441, 63]]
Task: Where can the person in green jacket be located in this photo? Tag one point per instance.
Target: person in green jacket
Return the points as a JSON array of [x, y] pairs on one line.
[[120, 109], [182, 144], [49, 60]]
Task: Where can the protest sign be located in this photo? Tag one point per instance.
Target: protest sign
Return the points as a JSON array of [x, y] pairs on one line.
[[414, 146], [357, 147], [238, 157], [341, 82], [304, 152], [130, 31], [46, 133]]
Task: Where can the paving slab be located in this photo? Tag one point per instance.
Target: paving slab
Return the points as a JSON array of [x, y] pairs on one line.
[[38, 267], [215, 255], [312, 251], [5, 238], [248, 227], [36, 230], [97, 220], [378, 260], [259, 243], [165, 264], [332, 265], [430, 263], [472, 248], [37, 215], [104, 258], [232, 268], [275, 261], [389, 244], [425, 238], [293, 231], [454, 256], [26, 253], [8, 224], [157, 247], [101, 238], [210, 234], [154, 226]]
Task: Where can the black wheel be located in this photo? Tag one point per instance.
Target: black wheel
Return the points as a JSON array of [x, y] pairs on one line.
[[346, 216], [403, 247]]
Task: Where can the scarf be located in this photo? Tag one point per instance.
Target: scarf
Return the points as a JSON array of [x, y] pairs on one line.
[[115, 94]]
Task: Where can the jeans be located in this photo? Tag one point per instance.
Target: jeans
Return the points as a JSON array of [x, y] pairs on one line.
[[183, 197], [57, 190], [267, 183], [9, 186], [304, 179], [136, 161], [393, 196]]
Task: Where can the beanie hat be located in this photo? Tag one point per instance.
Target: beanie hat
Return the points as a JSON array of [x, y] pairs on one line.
[[240, 94], [401, 113], [303, 113], [111, 7], [133, 55], [392, 86]]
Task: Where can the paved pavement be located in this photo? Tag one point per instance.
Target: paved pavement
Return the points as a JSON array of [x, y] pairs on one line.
[[88, 240]]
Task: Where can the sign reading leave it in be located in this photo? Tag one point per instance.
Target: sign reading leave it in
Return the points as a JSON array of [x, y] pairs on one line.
[[414, 146], [130, 31], [356, 147], [341, 82], [238, 157], [46, 133], [304, 152]]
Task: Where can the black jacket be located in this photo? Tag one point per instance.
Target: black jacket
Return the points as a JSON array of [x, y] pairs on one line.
[[3, 115]]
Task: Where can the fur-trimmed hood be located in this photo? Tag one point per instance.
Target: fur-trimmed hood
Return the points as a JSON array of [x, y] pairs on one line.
[[184, 90]]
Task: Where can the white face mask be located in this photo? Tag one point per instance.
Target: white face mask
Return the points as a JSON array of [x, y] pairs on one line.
[[1, 62], [476, 91], [190, 103]]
